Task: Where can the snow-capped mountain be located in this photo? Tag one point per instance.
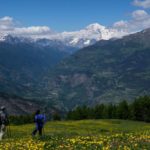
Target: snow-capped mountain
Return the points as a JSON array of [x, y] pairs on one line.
[[88, 36], [16, 39], [78, 39]]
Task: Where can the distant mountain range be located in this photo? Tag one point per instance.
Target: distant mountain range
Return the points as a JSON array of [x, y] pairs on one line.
[[23, 63], [77, 39]]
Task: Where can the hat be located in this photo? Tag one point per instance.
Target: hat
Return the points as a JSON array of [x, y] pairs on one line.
[[3, 107]]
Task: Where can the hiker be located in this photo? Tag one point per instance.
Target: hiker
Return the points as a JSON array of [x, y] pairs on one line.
[[39, 120], [3, 121]]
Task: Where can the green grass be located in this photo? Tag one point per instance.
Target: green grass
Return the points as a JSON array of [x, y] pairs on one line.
[[85, 134], [83, 127]]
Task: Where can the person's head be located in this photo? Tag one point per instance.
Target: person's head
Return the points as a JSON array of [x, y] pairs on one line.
[[37, 112], [3, 108]]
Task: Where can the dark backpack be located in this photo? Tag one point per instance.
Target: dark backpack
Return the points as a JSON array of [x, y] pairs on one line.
[[3, 119], [0, 120]]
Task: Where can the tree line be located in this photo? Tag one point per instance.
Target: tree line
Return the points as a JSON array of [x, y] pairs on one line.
[[21, 119], [29, 118], [138, 110]]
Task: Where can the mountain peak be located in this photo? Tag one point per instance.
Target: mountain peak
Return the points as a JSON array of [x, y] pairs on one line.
[[95, 26], [78, 39]]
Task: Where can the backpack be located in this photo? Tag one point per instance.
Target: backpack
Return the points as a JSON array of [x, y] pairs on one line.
[[39, 119], [3, 119], [0, 119]]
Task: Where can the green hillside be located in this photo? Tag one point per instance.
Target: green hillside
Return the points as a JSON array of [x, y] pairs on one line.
[[81, 135], [108, 71], [24, 64]]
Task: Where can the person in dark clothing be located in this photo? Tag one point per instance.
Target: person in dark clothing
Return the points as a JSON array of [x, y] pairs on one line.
[[39, 120], [3, 121]]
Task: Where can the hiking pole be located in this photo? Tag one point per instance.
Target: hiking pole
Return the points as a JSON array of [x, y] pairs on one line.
[[43, 131], [44, 121], [43, 127], [9, 130]]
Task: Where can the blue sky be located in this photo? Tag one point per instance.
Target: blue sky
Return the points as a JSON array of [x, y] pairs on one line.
[[66, 15]]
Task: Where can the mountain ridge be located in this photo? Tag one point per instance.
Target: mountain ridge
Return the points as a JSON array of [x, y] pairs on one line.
[[78, 39]]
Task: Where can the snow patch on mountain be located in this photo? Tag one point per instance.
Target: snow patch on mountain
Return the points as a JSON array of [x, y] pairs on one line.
[[87, 42], [2, 36], [84, 37], [87, 36]]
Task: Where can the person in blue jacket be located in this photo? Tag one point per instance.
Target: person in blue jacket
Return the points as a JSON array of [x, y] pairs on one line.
[[39, 120]]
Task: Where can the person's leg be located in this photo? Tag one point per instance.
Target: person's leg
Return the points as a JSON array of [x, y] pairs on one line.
[[35, 131], [2, 131], [40, 131]]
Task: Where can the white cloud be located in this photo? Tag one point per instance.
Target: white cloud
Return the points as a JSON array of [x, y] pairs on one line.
[[7, 19], [6, 23], [142, 3], [33, 30], [121, 24], [9, 26], [140, 20], [140, 15]]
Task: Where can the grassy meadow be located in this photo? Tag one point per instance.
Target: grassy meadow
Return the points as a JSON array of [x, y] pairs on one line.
[[81, 135]]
